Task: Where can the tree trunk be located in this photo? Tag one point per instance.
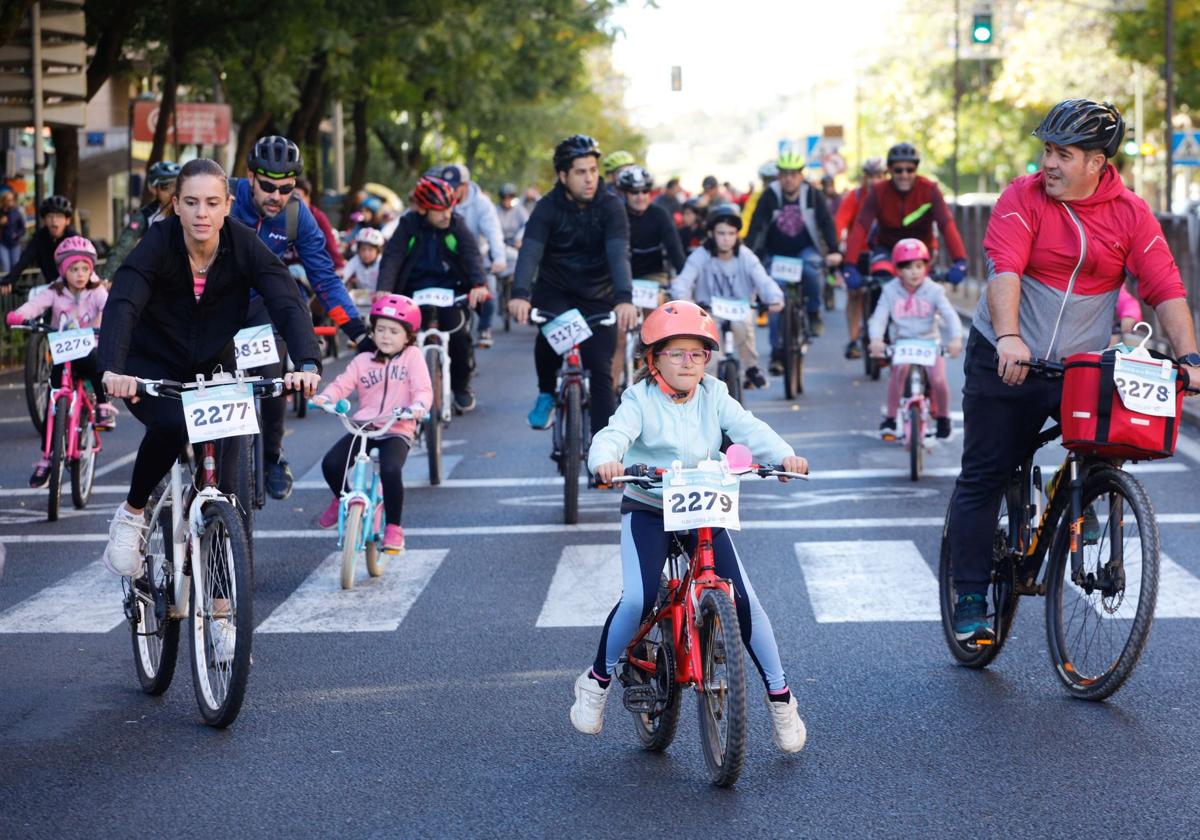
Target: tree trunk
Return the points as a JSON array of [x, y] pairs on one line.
[[358, 168], [314, 163], [166, 110], [66, 161]]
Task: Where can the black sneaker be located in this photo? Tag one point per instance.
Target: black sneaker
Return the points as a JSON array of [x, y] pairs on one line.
[[776, 366], [464, 401], [854, 350], [943, 427], [754, 378], [278, 479], [887, 428], [970, 619], [816, 326]]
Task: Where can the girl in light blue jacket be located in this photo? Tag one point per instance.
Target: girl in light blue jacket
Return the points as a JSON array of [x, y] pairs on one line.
[[674, 412]]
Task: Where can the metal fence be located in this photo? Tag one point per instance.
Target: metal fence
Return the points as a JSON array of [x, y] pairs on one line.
[[1181, 232]]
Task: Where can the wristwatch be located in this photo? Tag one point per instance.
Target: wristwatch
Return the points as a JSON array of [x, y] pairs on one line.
[[1191, 360], [309, 367]]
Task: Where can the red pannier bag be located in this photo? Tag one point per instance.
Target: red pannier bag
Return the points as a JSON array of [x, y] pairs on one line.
[[1096, 422]]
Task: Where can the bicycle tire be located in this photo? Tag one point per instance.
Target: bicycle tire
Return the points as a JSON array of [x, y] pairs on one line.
[[433, 425], [155, 634], [788, 337], [505, 297], [916, 443], [300, 404], [721, 645], [657, 730], [58, 453], [1002, 591], [83, 468], [729, 373], [871, 366], [351, 536], [572, 453], [37, 379], [223, 568], [1076, 674], [829, 299], [375, 556]]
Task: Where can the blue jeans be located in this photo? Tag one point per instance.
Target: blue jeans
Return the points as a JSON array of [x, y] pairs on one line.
[[9, 255], [811, 279], [487, 309]]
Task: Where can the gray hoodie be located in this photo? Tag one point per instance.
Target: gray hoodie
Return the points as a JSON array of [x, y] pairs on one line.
[[704, 277], [915, 315], [483, 220]]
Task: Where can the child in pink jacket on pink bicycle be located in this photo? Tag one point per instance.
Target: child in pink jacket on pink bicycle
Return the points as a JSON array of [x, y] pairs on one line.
[[395, 376]]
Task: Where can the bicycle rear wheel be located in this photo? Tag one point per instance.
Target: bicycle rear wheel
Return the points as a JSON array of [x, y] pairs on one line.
[[793, 350], [916, 442], [572, 453], [83, 468], [58, 453], [155, 634], [222, 615], [433, 424], [721, 703], [1002, 591], [350, 540], [728, 373], [656, 728], [1098, 619], [871, 365], [37, 379]]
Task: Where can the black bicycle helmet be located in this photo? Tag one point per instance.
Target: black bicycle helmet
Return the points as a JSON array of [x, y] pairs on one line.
[[275, 157], [163, 171], [1083, 123], [903, 151], [725, 212], [575, 146], [56, 204], [635, 178]]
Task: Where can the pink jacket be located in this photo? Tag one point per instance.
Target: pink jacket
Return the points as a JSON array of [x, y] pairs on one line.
[[1128, 306], [399, 382], [82, 311]]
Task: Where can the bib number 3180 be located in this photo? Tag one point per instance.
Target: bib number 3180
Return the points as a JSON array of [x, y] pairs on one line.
[[219, 412], [699, 499]]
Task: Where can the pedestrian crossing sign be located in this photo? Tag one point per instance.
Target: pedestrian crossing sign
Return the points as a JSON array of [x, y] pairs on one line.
[[1185, 148]]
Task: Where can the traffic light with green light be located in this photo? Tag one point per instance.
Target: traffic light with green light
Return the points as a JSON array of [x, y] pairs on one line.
[[981, 28], [1131, 147]]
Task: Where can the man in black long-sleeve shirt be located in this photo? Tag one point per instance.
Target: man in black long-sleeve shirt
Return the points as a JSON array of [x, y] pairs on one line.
[[652, 233], [577, 242]]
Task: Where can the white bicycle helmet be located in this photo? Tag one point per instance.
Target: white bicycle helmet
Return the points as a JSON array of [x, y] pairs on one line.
[[369, 236]]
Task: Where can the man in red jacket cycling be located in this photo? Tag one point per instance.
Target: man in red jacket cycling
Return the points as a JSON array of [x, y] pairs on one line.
[[905, 206], [1058, 245]]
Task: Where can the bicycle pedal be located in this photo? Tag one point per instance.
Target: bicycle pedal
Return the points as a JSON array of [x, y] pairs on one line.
[[640, 699]]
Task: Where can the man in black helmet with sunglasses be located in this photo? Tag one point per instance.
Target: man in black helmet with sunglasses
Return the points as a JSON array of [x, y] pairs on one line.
[[266, 201]]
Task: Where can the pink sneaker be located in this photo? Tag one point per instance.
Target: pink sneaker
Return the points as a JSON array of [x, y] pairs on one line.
[[329, 518], [393, 539]]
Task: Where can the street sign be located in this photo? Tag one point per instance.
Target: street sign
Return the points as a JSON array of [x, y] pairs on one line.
[[196, 123], [812, 150], [1185, 148]]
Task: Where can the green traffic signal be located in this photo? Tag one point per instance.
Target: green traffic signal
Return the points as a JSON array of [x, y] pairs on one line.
[[1131, 147], [981, 29]]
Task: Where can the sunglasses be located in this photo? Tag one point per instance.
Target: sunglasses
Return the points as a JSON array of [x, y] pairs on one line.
[[903, 170], [696, 357], [637, 192], [268, 187]]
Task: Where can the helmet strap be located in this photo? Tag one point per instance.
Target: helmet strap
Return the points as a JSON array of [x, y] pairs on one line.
[[677, 396]]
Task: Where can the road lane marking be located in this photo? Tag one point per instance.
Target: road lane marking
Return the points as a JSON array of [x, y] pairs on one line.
[[868, 580], [88, 601], [1189, 448], [419, 455], [117, 464], [586, 584], [374, 605], [1178, 591]]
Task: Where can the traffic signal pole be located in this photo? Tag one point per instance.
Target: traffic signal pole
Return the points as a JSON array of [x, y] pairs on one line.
[[39, 144], [1169, 139], [957, 98]]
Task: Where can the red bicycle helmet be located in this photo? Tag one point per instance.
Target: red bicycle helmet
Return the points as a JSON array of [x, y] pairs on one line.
[[432, 193], [398, 308], [907, 250]]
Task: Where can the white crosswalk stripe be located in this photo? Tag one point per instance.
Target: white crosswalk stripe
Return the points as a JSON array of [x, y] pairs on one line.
[[868, 580], [374, 605], [88, 601], [586, 584]]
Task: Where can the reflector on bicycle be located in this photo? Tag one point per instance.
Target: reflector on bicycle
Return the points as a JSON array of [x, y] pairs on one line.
[[440, 298], [219, 411], [705, 497], [787, 269], [255, 347], [645, 294], [567, 330], [730, 309], [915, 351], [69, 345]]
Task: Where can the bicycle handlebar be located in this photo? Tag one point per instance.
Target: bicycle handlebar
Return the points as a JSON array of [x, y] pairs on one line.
[[41, 327], [647, 477], [538, 316], [169, 388], [1055, 370], [341, 410]]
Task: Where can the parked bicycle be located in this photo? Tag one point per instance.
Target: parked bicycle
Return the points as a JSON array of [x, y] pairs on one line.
[[71, 441], [1090, 545], [197, 562], [572, 432], [691, 638]]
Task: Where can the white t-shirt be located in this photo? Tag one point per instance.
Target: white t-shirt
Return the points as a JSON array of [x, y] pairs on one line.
[[364, 276]]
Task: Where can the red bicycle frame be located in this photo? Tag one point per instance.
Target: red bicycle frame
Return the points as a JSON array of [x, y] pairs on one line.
[[78, 402]]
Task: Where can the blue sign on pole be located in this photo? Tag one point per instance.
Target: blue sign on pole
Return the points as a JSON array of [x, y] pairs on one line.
[[1185, 148], [812, 150]]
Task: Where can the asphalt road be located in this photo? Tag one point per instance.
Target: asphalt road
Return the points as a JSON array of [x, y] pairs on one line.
[[432, 702]]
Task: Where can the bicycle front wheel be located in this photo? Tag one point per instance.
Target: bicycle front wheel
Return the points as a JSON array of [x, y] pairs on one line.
[[1098, 616], [83, 468], [351, 537], [732, 377], [58, 453], [222, 615], [376, 557], [37, 379], [721, 702], [793, 353], [433, 423], [572, 453], [916, 442], [155, 633]]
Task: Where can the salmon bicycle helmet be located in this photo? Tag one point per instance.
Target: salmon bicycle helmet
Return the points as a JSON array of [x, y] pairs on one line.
[[73, 249], [398, 308], [433, 193], [907, 250], [676, 319]]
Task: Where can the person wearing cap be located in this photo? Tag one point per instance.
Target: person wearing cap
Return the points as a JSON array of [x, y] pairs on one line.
[[56, 212], [1059, 243], [513, 218], [12, 229], [161, 181], [482, 219], [768, 173], [671, 199], [873, 172], [710, 192]]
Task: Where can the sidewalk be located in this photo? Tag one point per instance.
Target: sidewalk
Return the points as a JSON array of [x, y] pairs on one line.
[[966, 297]]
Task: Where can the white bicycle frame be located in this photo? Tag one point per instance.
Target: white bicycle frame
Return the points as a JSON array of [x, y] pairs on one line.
[[444, 358]]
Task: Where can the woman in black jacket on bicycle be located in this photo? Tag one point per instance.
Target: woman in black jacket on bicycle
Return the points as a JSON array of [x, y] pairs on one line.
[[175, 305]]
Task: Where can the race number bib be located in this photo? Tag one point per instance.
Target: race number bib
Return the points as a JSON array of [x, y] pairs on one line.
[[69, 345], [1146, 386], [645, 294], [567, 330], [219, 411], [730, 309], [441, 298], [700, 498], [915, 351], [254, 347], [787, 269]]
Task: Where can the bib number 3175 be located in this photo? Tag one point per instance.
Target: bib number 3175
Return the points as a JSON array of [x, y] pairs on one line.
[[219, 412], [567, 330], [699, 499]]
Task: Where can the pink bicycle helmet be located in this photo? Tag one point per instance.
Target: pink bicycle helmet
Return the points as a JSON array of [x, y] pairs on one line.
[[73, 249], [907, 250], [398, 308]]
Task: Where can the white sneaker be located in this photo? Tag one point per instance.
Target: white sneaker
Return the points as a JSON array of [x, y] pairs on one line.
[[126, 532], [587, 712], [790, 733], [224, 638]]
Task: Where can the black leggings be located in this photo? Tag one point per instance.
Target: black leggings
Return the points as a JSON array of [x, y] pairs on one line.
[[596, 354], [86, 368], [393, 452]]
